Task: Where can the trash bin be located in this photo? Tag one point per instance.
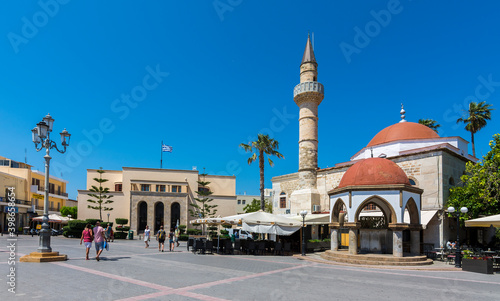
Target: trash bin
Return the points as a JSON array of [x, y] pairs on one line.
[[130, 234]]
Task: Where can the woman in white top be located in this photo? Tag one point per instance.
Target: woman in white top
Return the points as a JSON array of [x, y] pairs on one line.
[[147, 233]]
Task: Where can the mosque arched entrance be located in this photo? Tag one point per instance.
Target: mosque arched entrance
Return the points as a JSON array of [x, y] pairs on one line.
[[374, 216]]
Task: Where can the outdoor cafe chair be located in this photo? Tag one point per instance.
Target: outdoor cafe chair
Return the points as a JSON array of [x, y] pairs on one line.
[[237, 246], [278, 248], [261, 247], [209, 246], [190, 243], [251, 247], [287, 248], [228, 247]]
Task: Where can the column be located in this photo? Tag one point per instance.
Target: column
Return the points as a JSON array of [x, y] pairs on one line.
[[415, 242], [397, 243], [334, 239], [353, 241]]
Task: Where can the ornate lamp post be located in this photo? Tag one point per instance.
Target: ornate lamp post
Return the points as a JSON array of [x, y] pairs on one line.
[[458, 254], [303, 213], [41, 138]]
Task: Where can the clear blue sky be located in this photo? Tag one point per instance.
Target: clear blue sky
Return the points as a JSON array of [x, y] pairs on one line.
[[230, 70]]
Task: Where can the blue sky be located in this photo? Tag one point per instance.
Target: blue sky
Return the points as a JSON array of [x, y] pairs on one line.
[[207, 75]]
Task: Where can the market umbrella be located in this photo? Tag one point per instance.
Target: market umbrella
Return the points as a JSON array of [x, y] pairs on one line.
[[487, 221]]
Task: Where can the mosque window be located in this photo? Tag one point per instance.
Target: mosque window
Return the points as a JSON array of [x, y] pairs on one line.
[[412, 182], [283, 202], [371, 207], [243, 202], [239, 202], [451, 181]]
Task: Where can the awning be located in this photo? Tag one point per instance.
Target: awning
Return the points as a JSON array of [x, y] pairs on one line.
[[53, 218], [313, 219], [426, 217], [487, 221]]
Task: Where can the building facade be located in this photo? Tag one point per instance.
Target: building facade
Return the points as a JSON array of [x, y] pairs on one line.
[[432, 163], [156, 197], [29, 191], [242, 200]]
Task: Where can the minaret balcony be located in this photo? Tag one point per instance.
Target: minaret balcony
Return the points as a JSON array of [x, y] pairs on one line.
[[308, 87]]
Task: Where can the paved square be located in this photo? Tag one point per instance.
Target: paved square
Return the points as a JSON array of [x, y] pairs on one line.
[[130, 272]]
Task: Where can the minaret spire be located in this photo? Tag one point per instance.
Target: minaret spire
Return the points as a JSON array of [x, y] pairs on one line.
[[308, 52]]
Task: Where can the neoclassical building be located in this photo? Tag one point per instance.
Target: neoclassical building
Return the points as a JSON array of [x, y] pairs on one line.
[[423, 164], [156, 197]]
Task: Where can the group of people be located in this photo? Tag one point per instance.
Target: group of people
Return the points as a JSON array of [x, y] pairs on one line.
[[451, 244], [161, 236], [98, 235]]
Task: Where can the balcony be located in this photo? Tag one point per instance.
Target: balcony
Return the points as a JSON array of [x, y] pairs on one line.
[[308, 87]]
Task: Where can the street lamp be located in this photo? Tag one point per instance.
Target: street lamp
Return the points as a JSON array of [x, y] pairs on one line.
[[458, 254], [41, 138], [303, 213]]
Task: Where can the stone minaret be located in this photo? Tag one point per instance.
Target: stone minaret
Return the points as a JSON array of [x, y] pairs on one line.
[[307, 95]]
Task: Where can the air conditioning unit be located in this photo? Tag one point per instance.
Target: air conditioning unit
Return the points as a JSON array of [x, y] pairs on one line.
[[316, 208], [287, 211]]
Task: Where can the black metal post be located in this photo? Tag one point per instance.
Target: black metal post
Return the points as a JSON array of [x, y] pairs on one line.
[[458, 254], [303, 236]]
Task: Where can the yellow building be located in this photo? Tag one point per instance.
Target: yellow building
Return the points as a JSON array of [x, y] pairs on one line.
[[29, 192], [156, 197]]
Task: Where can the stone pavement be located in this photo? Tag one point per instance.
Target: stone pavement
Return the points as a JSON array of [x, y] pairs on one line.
[[130, 272]]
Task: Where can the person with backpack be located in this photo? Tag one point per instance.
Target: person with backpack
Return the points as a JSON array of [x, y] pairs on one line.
[[160, 237], [171, 237]]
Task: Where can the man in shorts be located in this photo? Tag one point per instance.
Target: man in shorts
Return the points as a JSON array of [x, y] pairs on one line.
[[98, 239], [160, 237], [177, 234]]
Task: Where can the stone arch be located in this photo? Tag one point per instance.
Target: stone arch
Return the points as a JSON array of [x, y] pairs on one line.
[[175, 214], [412, 208], [337, 208], [383, 204], [159, 214], [142, 215]]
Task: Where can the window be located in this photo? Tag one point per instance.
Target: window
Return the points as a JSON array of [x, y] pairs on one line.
[[58, 206], [37, 183], [203, 189], [160, 188], [58, 190], [371, 207], [239, 202], [52, 206], [176, 188], [118, 187], [145, 187], [283, 202], [243, 202], [451, 181], [52, 188], [412, 182]]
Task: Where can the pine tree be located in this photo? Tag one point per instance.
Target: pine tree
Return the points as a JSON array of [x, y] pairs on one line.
[[100, 194], [202, 208]]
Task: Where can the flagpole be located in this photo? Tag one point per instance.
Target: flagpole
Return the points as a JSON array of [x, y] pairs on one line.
[[161, 158]]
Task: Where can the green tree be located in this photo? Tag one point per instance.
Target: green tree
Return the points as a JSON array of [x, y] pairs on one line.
[[476, 119], [202, 208], [431, 123], [480, 192], [263, 145], [100, 194], [254, 206], [73, 211]]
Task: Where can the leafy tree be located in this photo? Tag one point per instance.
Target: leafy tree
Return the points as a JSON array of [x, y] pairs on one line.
[[202, 208], [480, 192], [73, 211], [254, 206], [431, 123], [476, 119], [100, 195], [263, 145]]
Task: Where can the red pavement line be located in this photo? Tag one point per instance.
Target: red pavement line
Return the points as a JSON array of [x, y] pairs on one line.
[[116, 277], [264, 260], [184, 290], [200, 297], [407, 275]]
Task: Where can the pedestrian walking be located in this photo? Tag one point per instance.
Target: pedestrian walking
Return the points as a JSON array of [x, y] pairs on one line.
[[147, 233], [98, 239], [171, 238], [87, 238], [177, 234], [160, 237], [107, 233]]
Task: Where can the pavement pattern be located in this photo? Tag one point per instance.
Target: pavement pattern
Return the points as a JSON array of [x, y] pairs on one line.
[[128, 271]]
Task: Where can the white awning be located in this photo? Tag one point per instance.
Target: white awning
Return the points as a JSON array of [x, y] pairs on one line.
[[487, 221], [426, 217], [313, 219]]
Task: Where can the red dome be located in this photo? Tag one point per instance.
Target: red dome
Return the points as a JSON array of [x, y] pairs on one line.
[[374, 171], [403, 131]]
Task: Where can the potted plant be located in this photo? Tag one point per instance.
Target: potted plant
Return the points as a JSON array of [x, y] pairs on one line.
[[477, 264]]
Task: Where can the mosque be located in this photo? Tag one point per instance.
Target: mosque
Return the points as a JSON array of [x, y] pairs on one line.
[[389, 198]]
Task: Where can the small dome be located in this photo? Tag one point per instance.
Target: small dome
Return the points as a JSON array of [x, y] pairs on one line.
[[403, 131], [374, 171]]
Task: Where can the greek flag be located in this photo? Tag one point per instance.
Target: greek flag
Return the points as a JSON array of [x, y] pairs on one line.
[[166, 148]]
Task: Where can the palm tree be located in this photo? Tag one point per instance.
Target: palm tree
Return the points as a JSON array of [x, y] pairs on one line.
[[263, 145], [431, 123], [476, 119]]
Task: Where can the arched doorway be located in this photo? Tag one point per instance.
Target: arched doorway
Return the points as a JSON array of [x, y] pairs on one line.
[[159, 213], [175, 214], [339, 215], [374, 216], [142, 216]]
